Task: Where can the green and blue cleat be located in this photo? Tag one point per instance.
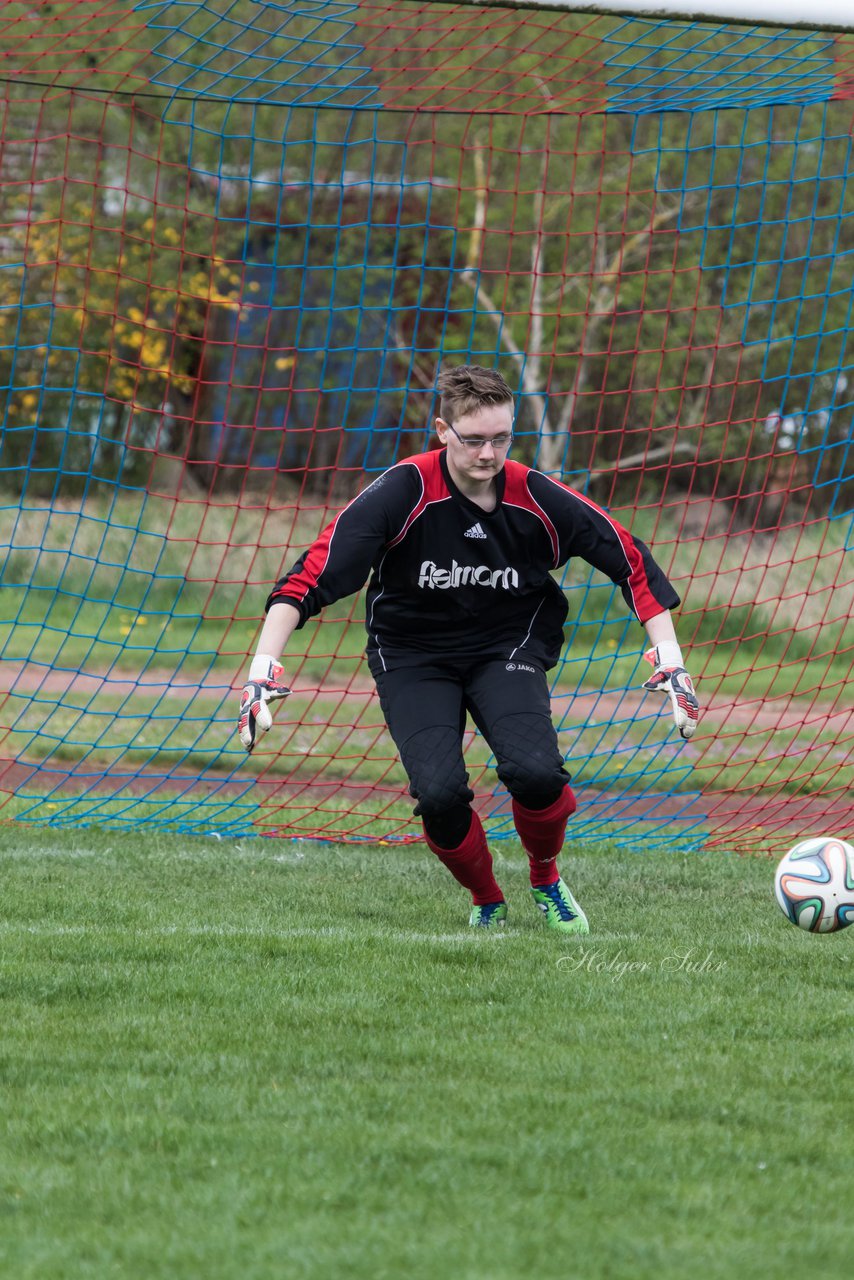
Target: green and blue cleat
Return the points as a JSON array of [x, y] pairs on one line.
[[492, 915], [562, 912]]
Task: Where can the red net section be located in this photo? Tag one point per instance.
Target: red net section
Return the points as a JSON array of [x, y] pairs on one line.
[[236, 247], [465, 58], [71, 43]]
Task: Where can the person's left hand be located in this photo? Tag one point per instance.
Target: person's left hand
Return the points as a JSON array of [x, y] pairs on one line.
[[672, 678]]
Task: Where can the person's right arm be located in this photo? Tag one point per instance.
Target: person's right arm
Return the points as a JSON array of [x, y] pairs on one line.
[[337, 564], [281, 622], [265, 674]]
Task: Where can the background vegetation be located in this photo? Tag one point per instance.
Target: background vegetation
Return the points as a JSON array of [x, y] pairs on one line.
[[669, 289]]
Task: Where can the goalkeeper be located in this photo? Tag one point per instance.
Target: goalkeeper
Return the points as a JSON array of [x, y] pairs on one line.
[[464, 617]]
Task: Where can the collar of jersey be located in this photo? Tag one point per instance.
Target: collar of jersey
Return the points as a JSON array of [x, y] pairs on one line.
[[459, 496]]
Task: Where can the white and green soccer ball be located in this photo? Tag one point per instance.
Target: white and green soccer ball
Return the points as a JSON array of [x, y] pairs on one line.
[[814, 884]]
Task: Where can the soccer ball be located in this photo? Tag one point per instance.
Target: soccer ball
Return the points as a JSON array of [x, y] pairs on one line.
[[814, 884]]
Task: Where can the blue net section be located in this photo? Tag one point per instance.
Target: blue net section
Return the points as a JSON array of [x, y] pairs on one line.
[[671, 66], [305, 54], [239, 240]]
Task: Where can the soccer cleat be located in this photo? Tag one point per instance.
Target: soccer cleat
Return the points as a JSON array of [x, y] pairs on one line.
[[492, 915], [560, 909]]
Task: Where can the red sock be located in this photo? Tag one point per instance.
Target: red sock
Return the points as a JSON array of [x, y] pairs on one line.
[[541, 832], [471, 864]]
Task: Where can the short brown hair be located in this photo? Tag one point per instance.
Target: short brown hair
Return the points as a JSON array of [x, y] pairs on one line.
[[469, 387]]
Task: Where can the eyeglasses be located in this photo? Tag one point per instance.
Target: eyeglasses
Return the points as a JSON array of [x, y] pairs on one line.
[[476, 443]]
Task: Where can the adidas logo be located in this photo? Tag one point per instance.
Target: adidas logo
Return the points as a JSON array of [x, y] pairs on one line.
[[474, 532]]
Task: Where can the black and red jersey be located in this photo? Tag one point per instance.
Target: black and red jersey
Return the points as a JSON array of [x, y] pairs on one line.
[[447, 577]]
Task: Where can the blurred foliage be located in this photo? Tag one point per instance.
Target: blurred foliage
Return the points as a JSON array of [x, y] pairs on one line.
[[246, 287]]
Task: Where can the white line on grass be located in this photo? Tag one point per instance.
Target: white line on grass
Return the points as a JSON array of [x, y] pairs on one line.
[[232, 931]]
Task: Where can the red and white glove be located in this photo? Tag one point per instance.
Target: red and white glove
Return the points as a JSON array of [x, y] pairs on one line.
[[670, 677], [263, 686]]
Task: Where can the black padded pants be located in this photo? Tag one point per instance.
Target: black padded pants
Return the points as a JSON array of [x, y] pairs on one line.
[[425, 706]]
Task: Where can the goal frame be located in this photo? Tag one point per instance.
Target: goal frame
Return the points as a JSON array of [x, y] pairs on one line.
[[825, 15]]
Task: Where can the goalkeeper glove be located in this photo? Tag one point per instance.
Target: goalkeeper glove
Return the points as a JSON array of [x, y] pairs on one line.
[[263, 686], [670, 677]]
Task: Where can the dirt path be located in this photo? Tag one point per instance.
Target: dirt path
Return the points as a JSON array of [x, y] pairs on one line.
[[759, 715]]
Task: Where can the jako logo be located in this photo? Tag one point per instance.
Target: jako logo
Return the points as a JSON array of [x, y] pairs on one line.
[[460, 575], [520, 666]]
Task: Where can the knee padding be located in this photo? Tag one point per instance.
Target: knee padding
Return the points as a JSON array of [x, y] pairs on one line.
[[528, 760], [437, 774]]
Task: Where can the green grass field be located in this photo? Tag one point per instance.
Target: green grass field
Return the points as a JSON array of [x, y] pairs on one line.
[[267, 1059]]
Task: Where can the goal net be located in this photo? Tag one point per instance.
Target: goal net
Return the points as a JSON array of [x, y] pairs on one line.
[[238, 241]]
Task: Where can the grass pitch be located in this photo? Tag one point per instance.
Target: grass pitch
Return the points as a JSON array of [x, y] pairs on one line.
[[266, 1059]]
